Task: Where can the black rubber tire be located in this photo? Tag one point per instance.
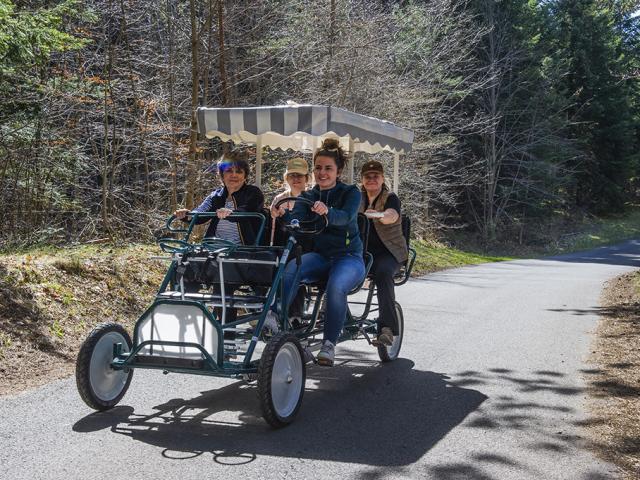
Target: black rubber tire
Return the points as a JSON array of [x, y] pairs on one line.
[[389, 354], [83, 366], [265, 375]]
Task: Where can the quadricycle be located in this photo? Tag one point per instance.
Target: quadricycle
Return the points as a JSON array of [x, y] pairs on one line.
[[187, 330]]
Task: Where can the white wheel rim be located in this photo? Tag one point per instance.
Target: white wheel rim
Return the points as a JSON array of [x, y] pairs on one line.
[[106, 382], [286, 380]]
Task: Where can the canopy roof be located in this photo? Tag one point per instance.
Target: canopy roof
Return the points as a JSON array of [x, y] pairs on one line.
[[303, 127]]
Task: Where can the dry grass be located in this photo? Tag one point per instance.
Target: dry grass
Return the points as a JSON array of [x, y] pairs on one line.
[[614, 382], [50, 300]]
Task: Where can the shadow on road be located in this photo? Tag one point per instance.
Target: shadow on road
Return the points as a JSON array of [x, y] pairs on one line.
[[358, 412], [625, 254]]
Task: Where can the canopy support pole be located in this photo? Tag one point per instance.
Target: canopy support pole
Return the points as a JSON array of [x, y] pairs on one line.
[[351, 152], [259, 161], [316, 149], [396, 172]]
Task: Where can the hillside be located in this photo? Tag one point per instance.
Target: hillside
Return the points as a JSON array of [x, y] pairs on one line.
[[50, 300]]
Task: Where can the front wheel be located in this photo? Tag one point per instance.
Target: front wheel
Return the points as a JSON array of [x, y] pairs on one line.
[[391, 352], [100, 386], [281, 378]]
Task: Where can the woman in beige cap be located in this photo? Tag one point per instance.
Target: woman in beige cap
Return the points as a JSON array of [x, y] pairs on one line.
[[296, 178]]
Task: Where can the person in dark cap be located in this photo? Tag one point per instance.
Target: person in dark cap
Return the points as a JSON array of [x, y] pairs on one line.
[[386, 243]]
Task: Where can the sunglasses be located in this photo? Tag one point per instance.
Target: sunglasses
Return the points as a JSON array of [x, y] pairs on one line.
[[235, 170]]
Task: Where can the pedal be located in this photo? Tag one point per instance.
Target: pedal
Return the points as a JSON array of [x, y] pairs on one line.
[[307, 355], [369, 340]]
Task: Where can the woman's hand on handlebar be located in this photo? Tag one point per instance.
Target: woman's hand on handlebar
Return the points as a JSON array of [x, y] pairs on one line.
[[223, 213], [320, 208], [277, 212], [181, 213]]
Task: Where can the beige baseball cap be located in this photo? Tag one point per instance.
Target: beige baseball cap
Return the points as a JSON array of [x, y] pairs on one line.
[[297, 165]]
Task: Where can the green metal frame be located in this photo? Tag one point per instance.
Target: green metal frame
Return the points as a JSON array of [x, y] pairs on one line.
[[355, 326]]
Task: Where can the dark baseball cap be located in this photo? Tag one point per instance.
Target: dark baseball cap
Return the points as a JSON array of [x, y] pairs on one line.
[[372, 166]]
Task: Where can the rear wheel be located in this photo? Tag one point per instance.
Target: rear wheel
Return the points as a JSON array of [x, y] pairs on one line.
[[391, 352], [281, 378], [100, 386]]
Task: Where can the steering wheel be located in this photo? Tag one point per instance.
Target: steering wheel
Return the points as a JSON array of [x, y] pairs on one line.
[[304, 226], [172, 245], [214, 243]]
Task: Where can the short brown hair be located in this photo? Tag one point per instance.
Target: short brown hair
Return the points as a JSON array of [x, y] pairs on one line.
[[233, 158]]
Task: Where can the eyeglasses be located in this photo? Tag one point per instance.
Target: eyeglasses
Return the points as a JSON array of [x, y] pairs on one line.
[[296, 175]]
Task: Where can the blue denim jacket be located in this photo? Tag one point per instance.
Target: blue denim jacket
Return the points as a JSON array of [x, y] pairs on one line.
[[342, 235]]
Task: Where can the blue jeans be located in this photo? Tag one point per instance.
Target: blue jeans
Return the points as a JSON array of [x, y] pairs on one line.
[[342, 275]]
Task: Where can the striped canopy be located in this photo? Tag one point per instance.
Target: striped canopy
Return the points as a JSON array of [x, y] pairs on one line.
[[303, 127]]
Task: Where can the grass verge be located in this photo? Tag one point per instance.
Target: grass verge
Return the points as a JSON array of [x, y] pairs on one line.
[[51, 298], [433, 256], [602, 231]]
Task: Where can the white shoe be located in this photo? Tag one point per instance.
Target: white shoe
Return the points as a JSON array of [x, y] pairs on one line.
[[326, 354]]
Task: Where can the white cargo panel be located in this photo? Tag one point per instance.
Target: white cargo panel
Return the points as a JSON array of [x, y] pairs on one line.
[[178, 323]]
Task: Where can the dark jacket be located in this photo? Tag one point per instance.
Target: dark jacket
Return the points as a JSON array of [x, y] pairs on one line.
[[342, 235], [248, 199]]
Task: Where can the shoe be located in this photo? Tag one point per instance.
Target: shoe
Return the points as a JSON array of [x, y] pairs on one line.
[[270, 326], [296, 322], [386, 337], [326, 354]]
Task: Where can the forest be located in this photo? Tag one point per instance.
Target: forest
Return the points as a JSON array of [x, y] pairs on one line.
[[525, 113]]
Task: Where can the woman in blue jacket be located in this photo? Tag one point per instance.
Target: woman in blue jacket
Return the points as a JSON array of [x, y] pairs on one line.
[[337, 253]]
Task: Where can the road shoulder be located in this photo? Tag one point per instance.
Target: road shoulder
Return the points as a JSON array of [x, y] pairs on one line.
[[614, 377]]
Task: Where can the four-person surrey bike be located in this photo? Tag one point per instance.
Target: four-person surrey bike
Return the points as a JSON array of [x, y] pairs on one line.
[[187, 332]]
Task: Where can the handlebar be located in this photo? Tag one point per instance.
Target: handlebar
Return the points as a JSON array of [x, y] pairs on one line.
[[300, 226], [195, 216]]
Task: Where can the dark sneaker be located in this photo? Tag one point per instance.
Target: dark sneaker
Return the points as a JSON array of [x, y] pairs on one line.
[[296, 322], [385, 337], [271, 324], [326, 354]]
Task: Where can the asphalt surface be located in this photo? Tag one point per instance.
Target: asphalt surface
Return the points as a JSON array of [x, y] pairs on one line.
[[490, 385]]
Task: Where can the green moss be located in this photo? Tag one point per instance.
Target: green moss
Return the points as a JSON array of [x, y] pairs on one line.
[[72, 265], [603, 231], [56, 329]]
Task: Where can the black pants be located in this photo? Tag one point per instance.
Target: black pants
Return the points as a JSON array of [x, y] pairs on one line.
[[384, 267]]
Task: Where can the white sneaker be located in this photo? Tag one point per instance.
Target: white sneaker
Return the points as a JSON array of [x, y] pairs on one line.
[[270, 326], [326, 354]]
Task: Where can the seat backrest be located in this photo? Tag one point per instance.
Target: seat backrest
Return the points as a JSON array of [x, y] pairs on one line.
[[266, 234], [363, 227], [406, 228]]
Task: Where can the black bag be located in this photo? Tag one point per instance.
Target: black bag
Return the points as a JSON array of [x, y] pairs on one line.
[[202, 267]]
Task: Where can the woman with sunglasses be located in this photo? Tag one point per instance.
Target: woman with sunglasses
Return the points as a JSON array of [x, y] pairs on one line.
[[235, 195]]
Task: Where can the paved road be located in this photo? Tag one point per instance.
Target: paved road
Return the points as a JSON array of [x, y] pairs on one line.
[[490, 386]]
